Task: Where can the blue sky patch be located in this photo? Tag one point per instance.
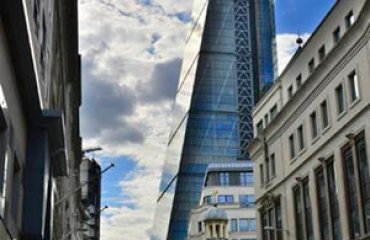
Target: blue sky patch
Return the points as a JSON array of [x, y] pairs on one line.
[[300, 16]]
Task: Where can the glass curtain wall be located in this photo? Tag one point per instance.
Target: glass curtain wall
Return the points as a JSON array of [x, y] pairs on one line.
[[212, 119]]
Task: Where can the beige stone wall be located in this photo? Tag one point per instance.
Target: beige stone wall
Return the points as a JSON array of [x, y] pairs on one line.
[[234, 211], [351, 53]]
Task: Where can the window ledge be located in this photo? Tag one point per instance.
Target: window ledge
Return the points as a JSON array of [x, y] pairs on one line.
[[326, 129], [293, 160], [302, 151], [269, 182], [354, 103], [365, 237], [340, 116], [314, 140]]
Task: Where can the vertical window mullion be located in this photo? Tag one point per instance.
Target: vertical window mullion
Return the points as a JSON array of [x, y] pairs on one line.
[[298, 212], [272, 224], [364, 177], [307, 210], [328, 206], [322, 204], [333, 199], [304, 225], [356, 164], [265, 221], [278, 220], [351, 191]]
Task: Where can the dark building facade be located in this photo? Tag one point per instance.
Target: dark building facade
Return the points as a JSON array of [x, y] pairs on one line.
[[40, 142], [229, 60], [90, 177]]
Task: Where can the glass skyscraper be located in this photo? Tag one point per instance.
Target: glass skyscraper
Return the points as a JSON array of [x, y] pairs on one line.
[[229, 61]]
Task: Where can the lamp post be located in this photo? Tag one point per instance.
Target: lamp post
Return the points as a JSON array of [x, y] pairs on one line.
[[89, 150], [78, 188], [81, 229], [104, 208]]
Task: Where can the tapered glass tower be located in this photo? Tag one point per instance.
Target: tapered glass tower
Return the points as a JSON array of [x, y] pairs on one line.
[[229, 60]]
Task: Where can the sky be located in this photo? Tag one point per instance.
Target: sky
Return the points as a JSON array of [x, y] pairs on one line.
[[131, 58]]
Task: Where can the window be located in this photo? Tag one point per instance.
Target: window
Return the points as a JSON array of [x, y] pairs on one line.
[[262, 177], [364, 179], [340, 98], [36, 9], [314, 128], [271, 219], [246, 201], [247, 225], [298, 213], [224, 179], [303, 211], [243, 225], [259, 127], [207, 200], [290, 92], [333, 199], [322, 204], [307, 209], [298, 81], [322, 53], [267, 164], [225, 199], [350, 19], [324, 114], [200, 227], [234, 225], [4, 162], [266, 119], [301, 141], [265, 224], [246, 178], [252, 224], [354, 86], [311, 65], [273, 112], [351, 193], [16, 189], [273, 165], [43, 43], [292, 146], [270, 214], [336, 35], [278, 220]]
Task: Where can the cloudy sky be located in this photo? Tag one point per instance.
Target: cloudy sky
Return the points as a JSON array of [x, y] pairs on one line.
[[132, 51]]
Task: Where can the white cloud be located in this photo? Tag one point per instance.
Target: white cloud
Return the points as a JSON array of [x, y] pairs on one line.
[[287, 46], [127, 223], [131, 51]]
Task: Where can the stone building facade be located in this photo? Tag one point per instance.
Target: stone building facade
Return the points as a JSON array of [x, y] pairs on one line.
[[311, 149], [226, 210]]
